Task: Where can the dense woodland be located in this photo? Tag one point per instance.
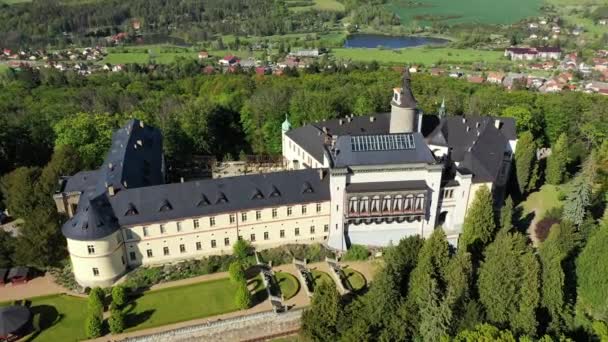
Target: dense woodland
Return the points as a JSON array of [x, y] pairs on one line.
[[57, 123]]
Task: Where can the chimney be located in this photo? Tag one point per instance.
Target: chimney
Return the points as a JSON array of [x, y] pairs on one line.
[[110, 166], [372, 119], [111, 190], [349, 119], [464, 120], [321, 174], [340, 122], [124, 183], [498, 124], [141, 124], [324, 129], [140, 142], [468, 128], [181, 179]]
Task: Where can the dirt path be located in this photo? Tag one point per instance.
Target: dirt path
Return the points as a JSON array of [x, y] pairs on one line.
[[40, 286], [530, 230], [300, 299]]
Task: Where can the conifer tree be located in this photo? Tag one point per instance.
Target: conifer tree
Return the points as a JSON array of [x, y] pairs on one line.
[[506, 215], [591, 270], [320, 320], [579, 198], [525, 160], [557, 161], [478, 227]]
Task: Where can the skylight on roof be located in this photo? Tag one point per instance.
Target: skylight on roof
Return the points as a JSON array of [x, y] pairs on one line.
[[384, 142]]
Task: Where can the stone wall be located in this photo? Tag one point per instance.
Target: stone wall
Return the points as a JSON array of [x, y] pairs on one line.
[[244, 328]]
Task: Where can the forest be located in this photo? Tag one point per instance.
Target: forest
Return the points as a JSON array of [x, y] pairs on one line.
[[56, 124]]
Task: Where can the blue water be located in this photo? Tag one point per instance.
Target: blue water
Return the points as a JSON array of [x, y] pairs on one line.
[[391, 42]]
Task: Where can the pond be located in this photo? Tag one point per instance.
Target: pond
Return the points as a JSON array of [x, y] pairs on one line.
[[391, 42]]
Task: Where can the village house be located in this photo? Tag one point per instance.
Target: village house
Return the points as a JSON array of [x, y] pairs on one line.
[[248, 63], [203, 55], [477, 79], [552, 86], [512, 79], [495, 77], [306, 53], [603, 21], [228, 60], [437, 71], [597, 87]]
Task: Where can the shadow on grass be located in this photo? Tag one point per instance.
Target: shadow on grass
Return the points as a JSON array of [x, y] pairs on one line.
[[289, 279], [260, 294], [42, 317], [136, 318]]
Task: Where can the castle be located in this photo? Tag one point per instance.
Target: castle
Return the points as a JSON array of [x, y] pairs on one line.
[[368, 180]]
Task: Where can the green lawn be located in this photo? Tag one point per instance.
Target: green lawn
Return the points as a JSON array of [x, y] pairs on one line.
[[541, 201], [10, 2], [288, 283], [61, 318], [464, 11], [421, 55], [140, 56], [321, 277], [356, 279], [177, 304], [321, 5]]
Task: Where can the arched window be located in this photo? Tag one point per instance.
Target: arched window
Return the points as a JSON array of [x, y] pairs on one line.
[[398, 203], [353, 205], [364, 205], [375, 204], [420, 202], [408, 205], [386, 204]]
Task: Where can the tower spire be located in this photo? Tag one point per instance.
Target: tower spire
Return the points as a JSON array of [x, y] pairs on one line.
[[442, 111]]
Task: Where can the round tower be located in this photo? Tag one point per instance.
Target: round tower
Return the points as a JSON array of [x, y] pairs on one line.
[[403, 107]]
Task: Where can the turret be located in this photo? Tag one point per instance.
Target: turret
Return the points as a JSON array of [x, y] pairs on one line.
[[403, 107]]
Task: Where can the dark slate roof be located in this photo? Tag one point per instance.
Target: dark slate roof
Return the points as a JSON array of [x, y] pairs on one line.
[[81, 181], [387, 186], [94, 218], [215, 196], [17, 272], [407, 97], [478, 150], [344, 156], [311, 137]]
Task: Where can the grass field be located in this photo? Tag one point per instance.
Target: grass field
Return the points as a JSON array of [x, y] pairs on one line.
[[61, 318], [422, 55], [464, 11], [117, 57], [355, 279], [289, 284], [541, 201], [321, 5], [10, 2], [321, 277], [184, 303]]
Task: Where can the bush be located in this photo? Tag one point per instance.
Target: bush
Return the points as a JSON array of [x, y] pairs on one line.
[[94, 325], [356, 252], [543, 226], [116, 321], [119, 296], [95, 303], [237, 274], [242, 249], [242, 296], [285, 254]]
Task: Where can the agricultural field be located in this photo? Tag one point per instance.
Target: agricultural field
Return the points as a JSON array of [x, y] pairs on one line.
[[321, 5], [421, 55], [11, 2], [139, 54], [464, 11]]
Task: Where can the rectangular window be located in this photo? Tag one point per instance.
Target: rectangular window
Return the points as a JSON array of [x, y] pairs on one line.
[[244, 217], [282, 233], [212, 221], [274, 212], [258, 214], [232, 218], [145, 231], [91, 249], [165, 250], [95, 271], [182, 248], [326, 228], [266, 236], [213, 244], [318, 207], [122, 259], [162, 229], [132, 256], [252, 237], [129, 234], [199, 246], [303, 209], [297, 231], [196, 223], [289, 211], [149, 253], [226, 241], [312, 229], [178, 225]]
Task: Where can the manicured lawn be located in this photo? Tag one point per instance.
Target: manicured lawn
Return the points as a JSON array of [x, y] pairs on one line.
[[464, 11], [61, 318], [321, 277], [422, 55], [356, 279], [184, 303], [541, 201], [288, 283], [3, 68]]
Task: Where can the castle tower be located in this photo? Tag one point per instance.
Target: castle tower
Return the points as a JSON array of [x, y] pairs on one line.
[[403, 107], [442, 110]]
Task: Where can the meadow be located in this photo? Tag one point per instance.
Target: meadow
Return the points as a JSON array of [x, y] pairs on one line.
[[421, 55], [321, 5], [142, 54], [464, 11]]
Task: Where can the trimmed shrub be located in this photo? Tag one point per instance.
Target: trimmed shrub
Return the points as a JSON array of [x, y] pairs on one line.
[[236, 272], [116, 322], [95, 302], [93, 325], [119, 296], [242, 296], [356, 252], [285, 254]]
